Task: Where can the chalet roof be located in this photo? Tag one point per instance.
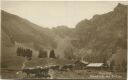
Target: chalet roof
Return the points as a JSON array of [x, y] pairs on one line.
[[84, 62], [81, 61], [95, 65]]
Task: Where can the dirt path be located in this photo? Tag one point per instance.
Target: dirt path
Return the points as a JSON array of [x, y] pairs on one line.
[[23, 66]]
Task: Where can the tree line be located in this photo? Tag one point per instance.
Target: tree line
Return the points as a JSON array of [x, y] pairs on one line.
[[24, 52], [28, 53], [43, 54]]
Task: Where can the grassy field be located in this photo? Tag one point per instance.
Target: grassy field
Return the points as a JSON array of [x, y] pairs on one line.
[[69, 74], [74, 74]]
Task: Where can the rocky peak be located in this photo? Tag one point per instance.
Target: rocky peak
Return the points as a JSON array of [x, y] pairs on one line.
[[120, 7]]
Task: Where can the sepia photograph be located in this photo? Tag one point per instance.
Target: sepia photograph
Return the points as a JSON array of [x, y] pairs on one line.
[[64, 40]]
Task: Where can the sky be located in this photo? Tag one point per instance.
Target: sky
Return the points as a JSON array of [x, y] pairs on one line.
[[56, 13]]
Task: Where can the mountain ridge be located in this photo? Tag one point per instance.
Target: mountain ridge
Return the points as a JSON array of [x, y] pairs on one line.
[[104, 35]]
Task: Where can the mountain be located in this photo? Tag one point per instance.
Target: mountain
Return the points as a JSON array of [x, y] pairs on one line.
[[104, 35], [19, 30], [63, 31]]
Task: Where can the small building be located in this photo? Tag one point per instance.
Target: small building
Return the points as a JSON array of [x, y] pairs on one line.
[[95, 66]]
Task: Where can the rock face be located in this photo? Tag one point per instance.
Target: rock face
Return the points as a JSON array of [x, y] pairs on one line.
[[103, 34]]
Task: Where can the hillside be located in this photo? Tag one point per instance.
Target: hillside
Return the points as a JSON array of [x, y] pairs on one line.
[[104, 35], [16, 29], [21, 30]]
